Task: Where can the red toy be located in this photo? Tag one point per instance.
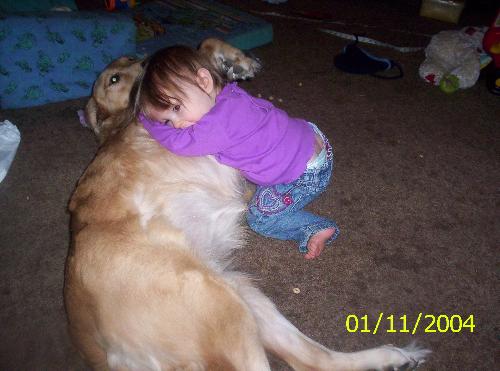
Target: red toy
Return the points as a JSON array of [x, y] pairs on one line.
[[119, 4], [491, 44]]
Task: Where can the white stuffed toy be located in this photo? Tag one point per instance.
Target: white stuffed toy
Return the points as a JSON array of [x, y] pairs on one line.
[[453, 59]]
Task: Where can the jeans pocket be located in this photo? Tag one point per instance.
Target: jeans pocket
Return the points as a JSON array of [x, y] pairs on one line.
[[317, 179]]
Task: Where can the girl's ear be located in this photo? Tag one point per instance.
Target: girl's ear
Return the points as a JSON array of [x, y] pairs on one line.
[[205, 80]]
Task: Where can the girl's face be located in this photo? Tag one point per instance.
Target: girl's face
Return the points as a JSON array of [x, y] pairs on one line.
[[197, 101]]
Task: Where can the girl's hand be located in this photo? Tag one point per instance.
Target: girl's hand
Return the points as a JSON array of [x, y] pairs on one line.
[[183, 124]]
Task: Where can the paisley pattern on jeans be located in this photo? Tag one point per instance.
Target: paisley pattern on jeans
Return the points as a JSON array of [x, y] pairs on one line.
[[270, 201]]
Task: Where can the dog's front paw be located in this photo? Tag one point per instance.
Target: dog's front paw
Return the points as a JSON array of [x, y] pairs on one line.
[[243, 68]]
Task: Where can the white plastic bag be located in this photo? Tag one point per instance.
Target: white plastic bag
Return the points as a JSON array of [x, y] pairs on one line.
[[9, 141], [454, 53]]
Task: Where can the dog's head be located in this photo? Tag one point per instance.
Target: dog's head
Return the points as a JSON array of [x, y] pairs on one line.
[[109, 108]]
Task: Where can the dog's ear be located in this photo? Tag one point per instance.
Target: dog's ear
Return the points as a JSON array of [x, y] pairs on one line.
[[96, 120], [91, 113]]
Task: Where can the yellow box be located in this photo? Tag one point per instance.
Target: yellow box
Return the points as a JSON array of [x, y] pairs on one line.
[[443, 10]]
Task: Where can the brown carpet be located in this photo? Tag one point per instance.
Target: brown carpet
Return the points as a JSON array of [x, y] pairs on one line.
[[415, 193]]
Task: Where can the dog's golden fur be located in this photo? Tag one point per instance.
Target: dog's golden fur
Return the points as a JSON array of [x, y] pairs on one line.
[[148, 284]]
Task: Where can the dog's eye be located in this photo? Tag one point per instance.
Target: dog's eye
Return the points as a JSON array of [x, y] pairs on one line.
[[114, 79]]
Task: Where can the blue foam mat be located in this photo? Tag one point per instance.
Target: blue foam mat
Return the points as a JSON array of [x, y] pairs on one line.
[[163, 23]]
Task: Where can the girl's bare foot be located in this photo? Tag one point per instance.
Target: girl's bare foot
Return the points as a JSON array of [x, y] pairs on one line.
[[317, 242]]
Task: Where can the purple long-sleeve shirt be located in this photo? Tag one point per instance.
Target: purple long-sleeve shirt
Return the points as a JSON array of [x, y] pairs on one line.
[[246, 133]]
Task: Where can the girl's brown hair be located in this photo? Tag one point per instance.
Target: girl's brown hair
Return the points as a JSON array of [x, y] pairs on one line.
[[165, 69]]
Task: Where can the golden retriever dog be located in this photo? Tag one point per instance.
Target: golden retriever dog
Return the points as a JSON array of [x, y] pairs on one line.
[[148, 283]]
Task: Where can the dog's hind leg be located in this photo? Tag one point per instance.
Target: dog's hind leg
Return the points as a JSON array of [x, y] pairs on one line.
[[302, 353], [233, 341], [93, 354]]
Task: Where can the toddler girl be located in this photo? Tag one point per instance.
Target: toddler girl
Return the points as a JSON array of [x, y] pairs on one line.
[[185, 105]]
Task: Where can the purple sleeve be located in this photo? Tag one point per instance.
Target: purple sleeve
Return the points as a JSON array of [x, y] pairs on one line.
[[201, 139]]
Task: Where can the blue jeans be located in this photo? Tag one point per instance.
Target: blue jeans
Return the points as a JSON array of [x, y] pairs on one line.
[[277, 211]]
